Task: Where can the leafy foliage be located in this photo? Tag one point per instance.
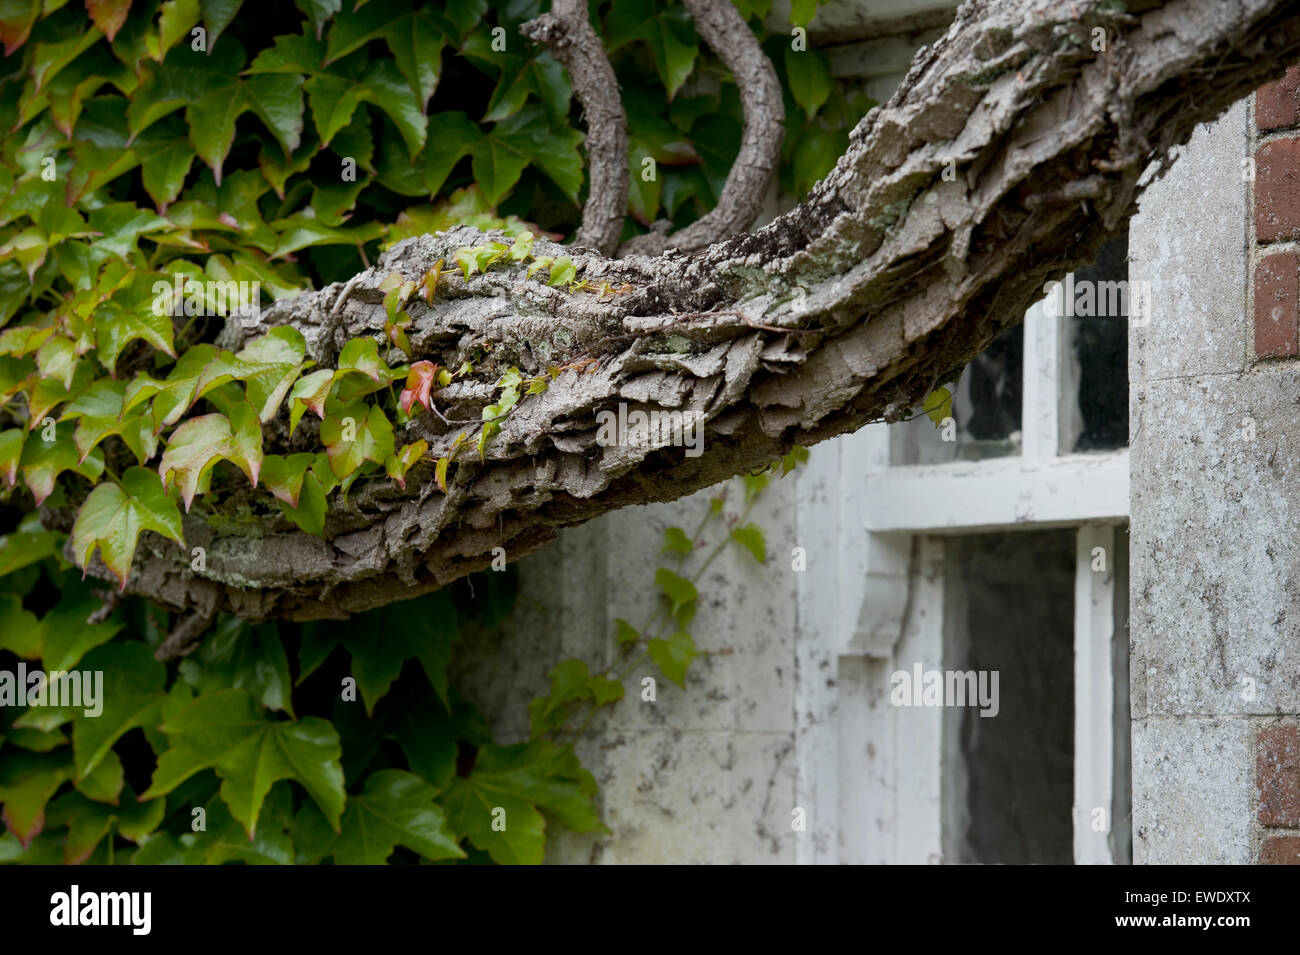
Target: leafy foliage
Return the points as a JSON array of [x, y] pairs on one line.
[[168, 164]]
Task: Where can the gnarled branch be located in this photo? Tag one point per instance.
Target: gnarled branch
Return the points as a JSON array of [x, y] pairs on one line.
[[844, 311], [567, 33]]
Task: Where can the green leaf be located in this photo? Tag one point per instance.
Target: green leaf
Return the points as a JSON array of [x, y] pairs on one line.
[[809, 73], [676, 541], [309, 511], [173, 396], [277, 357], [217, 15], [175, 21], [674, 655], [214, 95], [43, 461], [283, 477], [88, 822], [540, 78], [122, 223], [398, 464], [228, 731], [26, 545], [357, 433], [309, 392], [66, 637], [27, 781], [333, 100], [562, 271], [11, 451], [108, 15], [815, 155], [755, 484], [414, 37], [20, 630], [105, 782], [395, 809], [98, 413], [427, 733], [681, 594], [237, 655], [201, 442], [938, 406], [751, 538], [319, 12], [669, 33], [113, 516], [452, 137], [382, 640], [520, 780], [35, 741], [801, 11], [384, 86], [361, 371], [118, 324], [626, 633], [133, 697], [224, 840], [570, 683], [497, 167]]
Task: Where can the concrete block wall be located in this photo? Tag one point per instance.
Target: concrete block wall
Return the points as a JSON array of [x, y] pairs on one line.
[[1215, 562]]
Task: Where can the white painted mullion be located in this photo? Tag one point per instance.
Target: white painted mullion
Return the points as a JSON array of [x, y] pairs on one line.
[[1000, 493], [918, 730], [1094, 630], [1039, 426]]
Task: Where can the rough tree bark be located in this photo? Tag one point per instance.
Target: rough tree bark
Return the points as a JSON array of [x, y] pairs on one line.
[[847, 310]]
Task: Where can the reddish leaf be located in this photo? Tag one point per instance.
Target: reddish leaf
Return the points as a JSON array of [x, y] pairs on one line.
[[108, 15], [16, 21], [421, 378]]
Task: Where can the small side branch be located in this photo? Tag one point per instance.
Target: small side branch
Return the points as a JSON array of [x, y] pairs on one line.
[[568, 34], [184, 638], [722, 27]]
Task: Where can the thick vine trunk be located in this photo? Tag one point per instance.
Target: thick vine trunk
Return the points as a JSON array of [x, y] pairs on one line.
[[847, 310]]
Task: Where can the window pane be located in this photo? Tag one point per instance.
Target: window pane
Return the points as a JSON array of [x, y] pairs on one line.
[[1008, 779], [986, 410], [1094, 353]]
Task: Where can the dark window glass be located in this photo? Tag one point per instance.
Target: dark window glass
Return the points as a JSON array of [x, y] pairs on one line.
[[1008, 779], [1094, 372]]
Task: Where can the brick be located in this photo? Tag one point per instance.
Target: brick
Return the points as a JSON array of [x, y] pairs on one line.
[[1277, 291], [1277, 773], [1277, 190], [1277, 105], [1280, 850]]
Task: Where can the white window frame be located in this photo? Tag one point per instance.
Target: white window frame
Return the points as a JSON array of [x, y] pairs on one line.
[[880, 799]]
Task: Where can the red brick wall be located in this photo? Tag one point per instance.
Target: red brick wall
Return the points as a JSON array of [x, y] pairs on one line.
[[1276, 294], [1277, 217], [1277, 776]]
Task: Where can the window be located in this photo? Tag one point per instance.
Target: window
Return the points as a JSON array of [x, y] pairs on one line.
[[1003, 549]]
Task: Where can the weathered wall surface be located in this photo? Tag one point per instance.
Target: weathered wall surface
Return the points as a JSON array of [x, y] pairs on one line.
[[701, 775], [1215, 592]]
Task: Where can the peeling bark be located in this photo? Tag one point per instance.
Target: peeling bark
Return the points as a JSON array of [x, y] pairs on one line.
[[847, 310]]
